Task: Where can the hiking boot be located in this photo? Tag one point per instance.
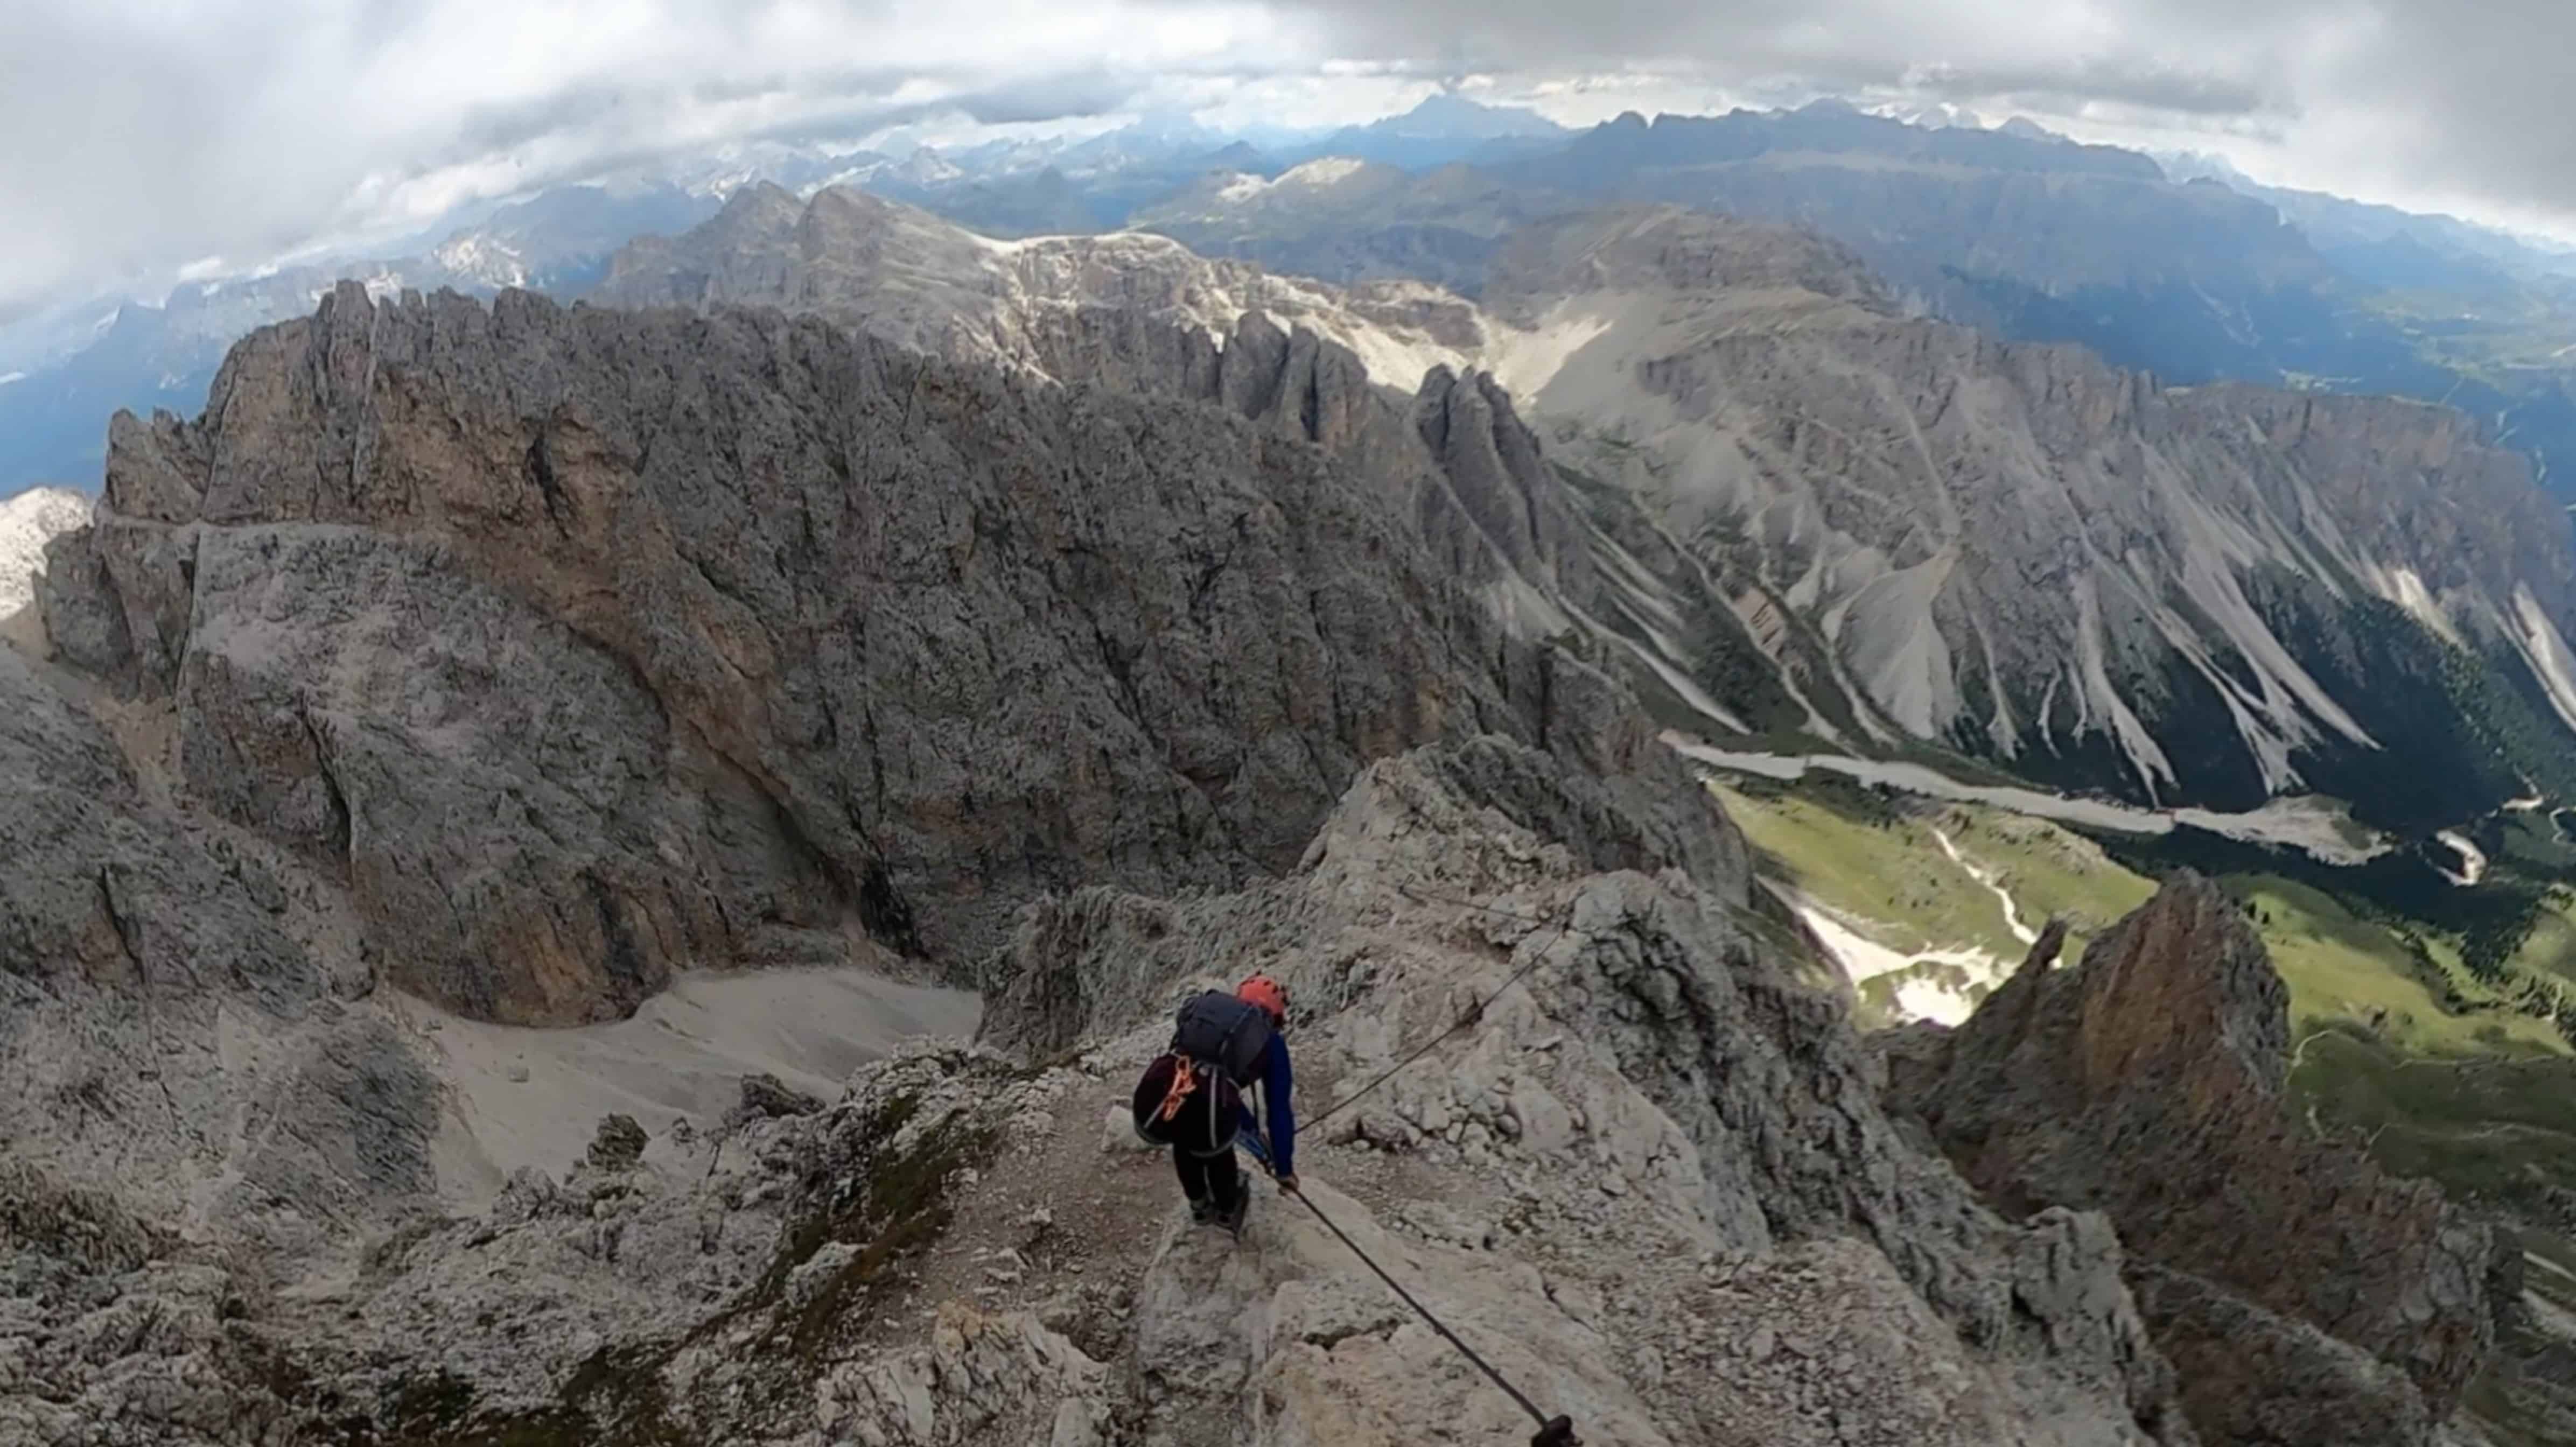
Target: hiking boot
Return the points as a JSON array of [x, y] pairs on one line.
[[1202, 1210], [1232, 1220]]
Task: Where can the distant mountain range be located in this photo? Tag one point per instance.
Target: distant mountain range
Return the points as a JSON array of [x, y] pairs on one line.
[[2175, 265], [53, 419], [2021, 233]]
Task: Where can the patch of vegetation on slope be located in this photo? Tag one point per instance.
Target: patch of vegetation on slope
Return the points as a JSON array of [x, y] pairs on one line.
[[2498, 1132], [2506, 947], [885, 1194], [2442, 1074], [1870, 858], [2408, 990], [2489, 1127], [2458, 735], [1875, 855]]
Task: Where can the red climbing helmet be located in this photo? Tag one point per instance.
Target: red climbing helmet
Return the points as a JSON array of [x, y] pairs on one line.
[[1267, 993]]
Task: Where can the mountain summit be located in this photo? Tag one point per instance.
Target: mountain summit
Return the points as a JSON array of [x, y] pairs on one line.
[[1447, 115]]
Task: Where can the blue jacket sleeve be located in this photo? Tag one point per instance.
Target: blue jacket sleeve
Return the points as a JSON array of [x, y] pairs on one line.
[[1278, 1081]]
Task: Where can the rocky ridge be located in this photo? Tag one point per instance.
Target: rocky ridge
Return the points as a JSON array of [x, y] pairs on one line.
[[2016, 549], [520, 659], [929, 284], [2148, 1083], [952, 1252], [1057, 636], [1806, 511]]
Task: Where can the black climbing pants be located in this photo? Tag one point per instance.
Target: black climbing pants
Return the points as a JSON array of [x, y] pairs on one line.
[[1215, 1179]]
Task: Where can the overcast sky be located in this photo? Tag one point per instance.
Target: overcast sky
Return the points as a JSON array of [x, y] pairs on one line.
[[144, 135]]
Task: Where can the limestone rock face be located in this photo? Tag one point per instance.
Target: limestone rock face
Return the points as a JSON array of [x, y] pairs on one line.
[[1672, 1243], [519, 659], [2017, 549], [28, 522], [1803, 506], [166, 999], [188, 1101], [2301, 1292], [584, 644], [1139, 313]]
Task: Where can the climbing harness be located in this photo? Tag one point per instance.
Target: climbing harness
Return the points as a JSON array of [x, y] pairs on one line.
[[1555, 1431], [1184, 1080]]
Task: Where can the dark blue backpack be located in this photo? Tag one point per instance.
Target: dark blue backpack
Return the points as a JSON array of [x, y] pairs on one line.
[[1217, 1029]]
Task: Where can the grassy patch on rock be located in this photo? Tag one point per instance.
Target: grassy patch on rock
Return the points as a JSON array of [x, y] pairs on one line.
[[2486, 1127], [1869, 859], [2405, 989], [903, 1207], [1881, 859]]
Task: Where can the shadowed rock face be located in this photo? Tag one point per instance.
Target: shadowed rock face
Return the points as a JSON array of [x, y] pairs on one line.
[[586, 645], [1481, 496], [2277, 1269]]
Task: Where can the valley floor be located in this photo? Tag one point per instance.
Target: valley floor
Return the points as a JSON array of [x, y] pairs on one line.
[[1925, 903]]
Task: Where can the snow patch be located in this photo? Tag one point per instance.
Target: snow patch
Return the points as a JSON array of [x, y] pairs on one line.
[[2473, 860], [484, 258], [1323, 171], [1864, 959], [1242, 188], [1988, 877]]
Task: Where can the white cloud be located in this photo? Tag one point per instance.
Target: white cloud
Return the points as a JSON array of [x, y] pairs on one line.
[[145, 133], [246, 127], [2427, 102]]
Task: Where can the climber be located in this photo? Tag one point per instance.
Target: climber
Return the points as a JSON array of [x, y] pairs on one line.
[[1192, 1097]]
